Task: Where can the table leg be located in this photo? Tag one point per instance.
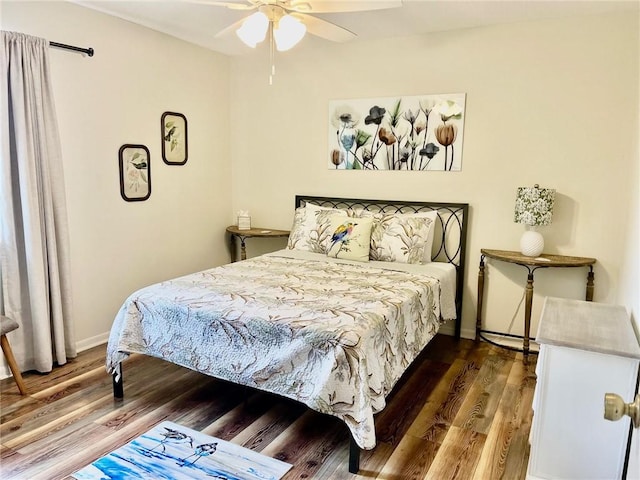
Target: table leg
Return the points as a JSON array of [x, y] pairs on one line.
[[527, 317], [480, 297], [243, 249], [589, 294], [234, 253]]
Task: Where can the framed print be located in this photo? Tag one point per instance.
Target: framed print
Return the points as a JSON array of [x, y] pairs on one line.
[[135, 172], [174, 138], [416, 133]]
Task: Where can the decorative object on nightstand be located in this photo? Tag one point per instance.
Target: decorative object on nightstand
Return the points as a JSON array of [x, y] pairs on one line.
[[242, 234], [534, 207], [244, 220], [531, 264]]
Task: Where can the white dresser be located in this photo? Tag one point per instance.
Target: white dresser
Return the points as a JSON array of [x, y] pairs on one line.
[[586, 350]]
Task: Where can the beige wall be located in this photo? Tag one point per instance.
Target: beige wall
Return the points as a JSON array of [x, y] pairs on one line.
[[117, 97], [549, 102], [552, 102]]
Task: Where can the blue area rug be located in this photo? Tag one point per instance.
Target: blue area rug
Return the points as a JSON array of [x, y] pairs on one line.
[[172, 452]]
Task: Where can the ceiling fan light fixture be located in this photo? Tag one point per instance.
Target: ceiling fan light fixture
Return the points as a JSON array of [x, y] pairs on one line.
[[254, 29], [289, 32]]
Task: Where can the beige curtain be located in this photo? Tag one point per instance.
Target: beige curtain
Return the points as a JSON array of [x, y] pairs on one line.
[[34, 244]]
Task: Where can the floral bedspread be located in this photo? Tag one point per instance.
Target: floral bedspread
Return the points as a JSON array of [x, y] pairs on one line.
[[332, 334]]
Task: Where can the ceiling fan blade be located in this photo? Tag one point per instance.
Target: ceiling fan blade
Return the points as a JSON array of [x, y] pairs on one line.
[[230, 5], [322, 28], [335, 6], [230, 29]]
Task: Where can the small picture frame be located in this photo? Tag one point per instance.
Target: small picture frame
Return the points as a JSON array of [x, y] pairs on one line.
[[135, 172], [174, 138]]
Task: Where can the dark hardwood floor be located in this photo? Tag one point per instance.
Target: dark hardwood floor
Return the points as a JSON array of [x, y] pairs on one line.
[[463, 412]]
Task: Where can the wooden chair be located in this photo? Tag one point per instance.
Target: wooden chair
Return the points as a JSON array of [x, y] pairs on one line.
[[8, 325]]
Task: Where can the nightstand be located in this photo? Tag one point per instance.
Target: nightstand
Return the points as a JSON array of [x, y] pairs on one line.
[[531, 264], [242, 235]]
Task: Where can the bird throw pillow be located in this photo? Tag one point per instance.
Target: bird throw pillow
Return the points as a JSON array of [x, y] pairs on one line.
[[350, 238], [310, 231]]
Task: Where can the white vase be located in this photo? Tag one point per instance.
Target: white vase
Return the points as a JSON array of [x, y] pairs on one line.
[[531, 243]]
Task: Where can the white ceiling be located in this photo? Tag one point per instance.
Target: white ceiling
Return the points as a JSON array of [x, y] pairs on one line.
[[198, 23]]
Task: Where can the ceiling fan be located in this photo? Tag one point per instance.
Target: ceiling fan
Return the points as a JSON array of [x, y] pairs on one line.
[[287, 21]]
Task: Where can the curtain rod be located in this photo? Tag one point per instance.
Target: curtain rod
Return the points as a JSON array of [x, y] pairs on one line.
[[88, 51]]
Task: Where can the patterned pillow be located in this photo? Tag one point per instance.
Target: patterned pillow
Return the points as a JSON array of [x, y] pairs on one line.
[[350, 238], [402, 237], [310, 230]]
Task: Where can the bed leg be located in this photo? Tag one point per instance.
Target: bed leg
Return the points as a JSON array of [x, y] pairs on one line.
[[354, 456], [118, 384], [458, 324]]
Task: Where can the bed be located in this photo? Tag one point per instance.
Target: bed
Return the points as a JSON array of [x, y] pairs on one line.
[[332, 321]]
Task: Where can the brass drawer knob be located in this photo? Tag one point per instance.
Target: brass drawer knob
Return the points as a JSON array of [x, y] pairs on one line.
[[615, 408]]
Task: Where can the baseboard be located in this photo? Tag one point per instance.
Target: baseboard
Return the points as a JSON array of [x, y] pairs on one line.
[[88, 343], [81, 346], [469, 333], [449, 328]]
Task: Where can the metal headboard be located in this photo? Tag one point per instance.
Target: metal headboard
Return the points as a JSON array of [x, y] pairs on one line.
[[450, 236]]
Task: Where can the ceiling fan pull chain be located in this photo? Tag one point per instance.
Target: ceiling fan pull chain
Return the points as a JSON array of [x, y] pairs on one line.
[[271, 54]]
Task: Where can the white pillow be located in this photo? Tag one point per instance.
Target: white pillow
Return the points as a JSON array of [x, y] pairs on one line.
[[402, 237], [350, 238], [310, 229], [428, 248]]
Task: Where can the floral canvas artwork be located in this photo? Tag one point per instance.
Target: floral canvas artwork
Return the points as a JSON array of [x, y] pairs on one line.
[[422, 132]]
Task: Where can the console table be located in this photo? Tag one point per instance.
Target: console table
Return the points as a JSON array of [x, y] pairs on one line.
[[531, 264], [242, 235]]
